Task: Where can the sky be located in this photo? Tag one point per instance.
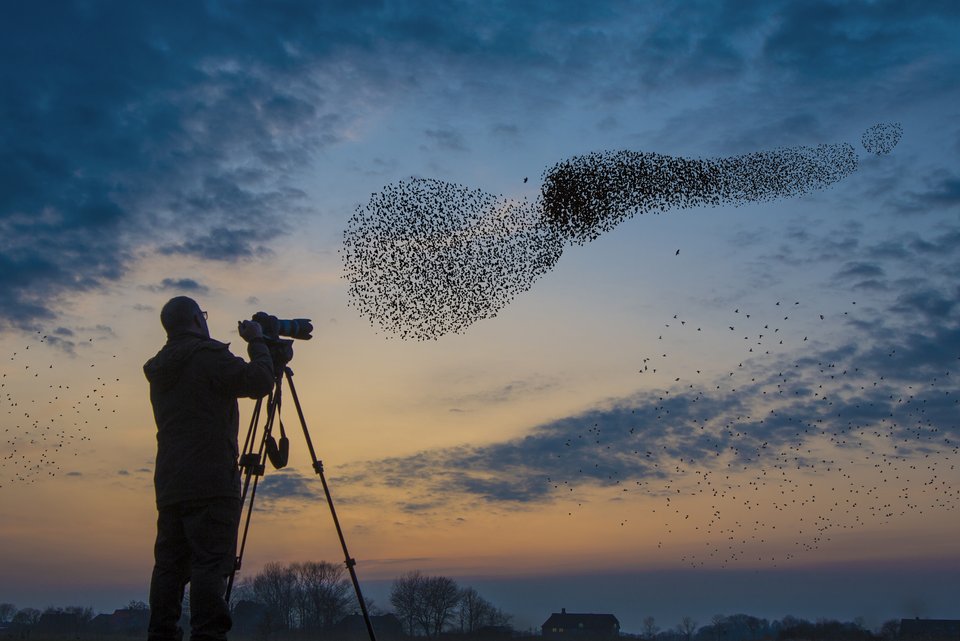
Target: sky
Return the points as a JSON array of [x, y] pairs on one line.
[[748, 407]]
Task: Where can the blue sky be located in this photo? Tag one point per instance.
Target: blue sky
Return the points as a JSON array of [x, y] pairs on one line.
[[219, 149]]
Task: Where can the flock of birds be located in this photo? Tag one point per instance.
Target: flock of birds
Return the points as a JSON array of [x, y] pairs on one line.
[[47, 418], [796, 435], [425, 257], [813, 440], [779, 454]]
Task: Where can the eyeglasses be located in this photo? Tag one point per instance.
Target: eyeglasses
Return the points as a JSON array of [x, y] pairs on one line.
[[204, 315]]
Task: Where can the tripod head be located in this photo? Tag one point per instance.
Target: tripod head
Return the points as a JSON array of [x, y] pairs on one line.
[[281, 349]]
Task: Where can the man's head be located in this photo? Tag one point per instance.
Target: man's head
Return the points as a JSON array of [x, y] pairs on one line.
[[183, 315]]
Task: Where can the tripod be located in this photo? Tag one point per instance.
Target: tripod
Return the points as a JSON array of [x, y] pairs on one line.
[[253, 465]]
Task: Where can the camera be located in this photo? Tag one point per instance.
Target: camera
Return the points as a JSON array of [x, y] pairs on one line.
[[274, 328], [281, 349]]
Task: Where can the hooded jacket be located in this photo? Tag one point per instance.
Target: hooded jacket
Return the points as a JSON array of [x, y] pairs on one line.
[[194, 385]]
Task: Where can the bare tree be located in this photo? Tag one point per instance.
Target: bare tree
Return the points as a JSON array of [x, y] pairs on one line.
[[890, 630], [440, 597], [84, 614], [27, 616], [373, 609], [274, 587], [474, 611], [321, 594], [650, 628], [242, 591], [405, 597], [500, 617], [7, 612], [424, 604], [718, 620], [687, 627]]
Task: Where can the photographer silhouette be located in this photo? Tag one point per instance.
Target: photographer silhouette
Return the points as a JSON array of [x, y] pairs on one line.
[[194, 385]]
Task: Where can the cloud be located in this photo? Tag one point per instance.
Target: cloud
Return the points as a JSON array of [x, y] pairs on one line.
[[843, 43], [180, 285], [941, 192], [446, 139], [507, 392], [930, 303], [506, 131], [859, 270], [175, 122], [178, 126], [281, 489], [890, 396]]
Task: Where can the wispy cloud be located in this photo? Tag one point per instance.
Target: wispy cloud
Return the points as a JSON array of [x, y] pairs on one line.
[[507, 392], [287, 489], [892, 395], [180, 285]]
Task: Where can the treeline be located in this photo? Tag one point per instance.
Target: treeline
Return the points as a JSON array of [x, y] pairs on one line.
[[314, 597], [309, 596], [430, 605], [75, 622], [299, 600], [743, 627], [28, 617], [296, 600]]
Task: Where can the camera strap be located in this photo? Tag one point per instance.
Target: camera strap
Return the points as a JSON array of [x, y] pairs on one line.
[[278, 454]]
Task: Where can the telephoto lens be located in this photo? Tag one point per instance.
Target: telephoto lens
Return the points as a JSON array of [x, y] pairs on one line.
[[299, 328], [274, 327]]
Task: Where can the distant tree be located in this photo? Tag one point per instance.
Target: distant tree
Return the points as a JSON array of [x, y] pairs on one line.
[[823, 630], [890, 630], [405, 597], [242, 591], [501, 618], [717, 621], [744, 627], [275, 588], [84, 614], [757, 627], [321, 594], [137, 605], [7, 612], [373, 609], [27, 617], [650, 628], [440, 597], [425, 604], [687, 627], [790, 621], [475, 612]]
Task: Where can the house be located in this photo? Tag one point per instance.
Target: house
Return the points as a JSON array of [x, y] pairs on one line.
[[353, 627], [929, 630], [125, 622], [567, 625]]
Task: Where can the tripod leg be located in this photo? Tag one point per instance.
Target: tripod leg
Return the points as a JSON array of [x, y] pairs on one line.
[[318, 468], [253, 465]]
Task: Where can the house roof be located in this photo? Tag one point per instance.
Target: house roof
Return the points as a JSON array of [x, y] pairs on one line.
[[571, 620], [930, 629]]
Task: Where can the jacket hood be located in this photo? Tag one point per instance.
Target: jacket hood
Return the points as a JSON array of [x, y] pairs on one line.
[[164, 369]]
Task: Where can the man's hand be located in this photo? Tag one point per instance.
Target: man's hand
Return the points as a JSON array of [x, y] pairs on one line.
[[249, 330]]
